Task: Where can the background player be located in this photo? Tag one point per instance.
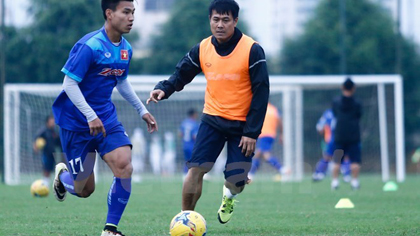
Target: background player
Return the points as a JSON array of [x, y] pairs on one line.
[[48, 141], [272, 123], [87, 118], [188, 131], [348, 112], [326, 126], [235, 103]]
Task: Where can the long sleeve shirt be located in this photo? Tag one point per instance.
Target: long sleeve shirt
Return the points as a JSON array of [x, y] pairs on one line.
[[189, 66], [348, 112]]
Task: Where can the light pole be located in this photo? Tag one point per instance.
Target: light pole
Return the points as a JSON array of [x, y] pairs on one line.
[[343, 32], [398, 55]]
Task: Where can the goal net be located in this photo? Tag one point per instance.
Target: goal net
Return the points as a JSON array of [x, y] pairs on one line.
[[301, 100]]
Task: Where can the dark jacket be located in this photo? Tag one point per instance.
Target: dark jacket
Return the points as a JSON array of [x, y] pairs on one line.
[[189, 66], [347, 112], [52, 141]]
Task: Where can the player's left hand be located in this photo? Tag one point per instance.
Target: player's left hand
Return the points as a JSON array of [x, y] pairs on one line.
[[248, 145], [151, 122]]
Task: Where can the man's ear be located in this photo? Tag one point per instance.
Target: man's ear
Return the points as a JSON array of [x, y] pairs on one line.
[[108, 13]]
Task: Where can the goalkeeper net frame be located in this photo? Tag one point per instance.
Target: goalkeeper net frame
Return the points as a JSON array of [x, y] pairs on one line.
[[287, 92]]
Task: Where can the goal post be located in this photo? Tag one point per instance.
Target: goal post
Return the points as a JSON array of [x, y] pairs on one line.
[[380, 81], [292, 88], [301, 100]]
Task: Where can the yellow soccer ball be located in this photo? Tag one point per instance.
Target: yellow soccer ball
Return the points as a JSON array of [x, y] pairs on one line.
[[40, 143], [39, 188], [188, 223]]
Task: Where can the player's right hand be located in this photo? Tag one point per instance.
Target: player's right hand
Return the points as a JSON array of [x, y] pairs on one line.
[[155, 96], [96, 127], [247, 145], [151, 122]]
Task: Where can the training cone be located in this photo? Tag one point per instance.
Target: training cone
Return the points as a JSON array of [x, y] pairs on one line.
[[344, 203], [390, 186]]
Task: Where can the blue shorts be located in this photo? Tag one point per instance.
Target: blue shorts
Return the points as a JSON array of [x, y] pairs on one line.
[[48, 162], [353, 151], [329, 149], [210, 142], [265, 144], [80, 148]]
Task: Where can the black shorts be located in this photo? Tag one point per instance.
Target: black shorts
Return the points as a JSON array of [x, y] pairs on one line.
[[352, 150], [210, 142]]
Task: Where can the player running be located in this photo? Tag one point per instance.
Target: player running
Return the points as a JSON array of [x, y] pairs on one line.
[[272, 123], [87, 118], [236, 100]]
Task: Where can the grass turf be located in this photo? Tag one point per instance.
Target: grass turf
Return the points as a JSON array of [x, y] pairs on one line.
[[265, 208]]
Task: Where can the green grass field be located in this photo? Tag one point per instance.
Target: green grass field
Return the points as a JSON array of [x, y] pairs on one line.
[[265, 208]]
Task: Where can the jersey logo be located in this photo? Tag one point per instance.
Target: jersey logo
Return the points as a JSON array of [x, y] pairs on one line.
[[109, 71], [123, 201], [219, 77], [107, 54], [124, 55]]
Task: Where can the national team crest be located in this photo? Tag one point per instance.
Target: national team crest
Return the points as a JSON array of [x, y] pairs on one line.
[[124, 55]]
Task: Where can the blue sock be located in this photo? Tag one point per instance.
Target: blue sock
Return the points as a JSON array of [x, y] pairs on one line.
[[275, 163], [68, 183], [118, 196], [345, 167], [321, 166], [255, 165]]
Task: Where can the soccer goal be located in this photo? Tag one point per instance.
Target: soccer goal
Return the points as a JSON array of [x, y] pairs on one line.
[[301, 100]]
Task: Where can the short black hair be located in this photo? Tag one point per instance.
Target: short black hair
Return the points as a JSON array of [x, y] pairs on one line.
[[224, 7], [348, 84], [191, 112], [111, 4]]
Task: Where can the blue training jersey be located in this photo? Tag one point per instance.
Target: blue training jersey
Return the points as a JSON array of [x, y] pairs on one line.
[[96, 63], [189, 130], [327, 119]]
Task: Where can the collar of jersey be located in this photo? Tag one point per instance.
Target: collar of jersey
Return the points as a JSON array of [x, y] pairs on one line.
[[106, 36]]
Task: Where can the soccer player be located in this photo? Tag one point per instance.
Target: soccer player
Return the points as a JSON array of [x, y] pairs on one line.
[[347, 112], [236, 100], [49, 141], [272, 123], [325, 127], [87, 118], [188, 131]]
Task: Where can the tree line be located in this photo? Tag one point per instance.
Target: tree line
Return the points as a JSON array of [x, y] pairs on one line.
[[36, 53]]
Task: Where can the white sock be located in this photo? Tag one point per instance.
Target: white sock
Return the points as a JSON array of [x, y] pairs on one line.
[[354, 182], [227, 193], [47, 181], [335, 182]]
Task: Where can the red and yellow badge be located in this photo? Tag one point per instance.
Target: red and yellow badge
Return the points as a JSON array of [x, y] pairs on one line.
[[124, 55]]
